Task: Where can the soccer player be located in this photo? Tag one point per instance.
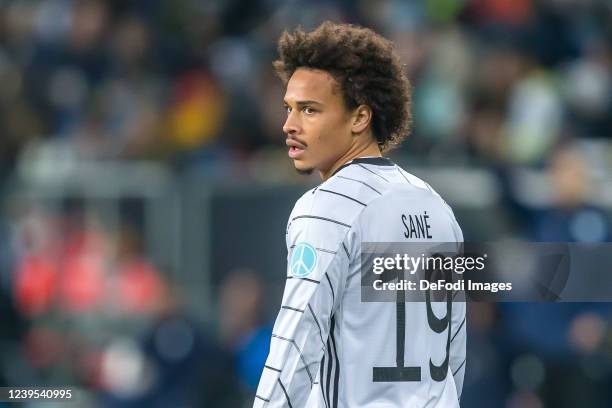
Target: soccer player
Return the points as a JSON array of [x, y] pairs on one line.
[[348, 101]]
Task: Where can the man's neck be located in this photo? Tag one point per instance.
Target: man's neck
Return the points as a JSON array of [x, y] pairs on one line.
[[369, 150]]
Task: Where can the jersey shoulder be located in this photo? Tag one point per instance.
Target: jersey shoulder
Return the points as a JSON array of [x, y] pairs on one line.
[[405, 195], [362, 189], [416, 181], [340, 198], [327, 212]]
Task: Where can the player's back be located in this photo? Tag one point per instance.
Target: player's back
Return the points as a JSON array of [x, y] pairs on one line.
[[385, 353], [331, 349]]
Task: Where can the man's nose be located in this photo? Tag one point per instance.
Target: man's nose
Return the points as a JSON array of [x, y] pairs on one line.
[[291, 125]]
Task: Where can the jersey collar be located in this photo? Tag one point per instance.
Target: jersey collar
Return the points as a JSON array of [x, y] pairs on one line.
[[377, 161]]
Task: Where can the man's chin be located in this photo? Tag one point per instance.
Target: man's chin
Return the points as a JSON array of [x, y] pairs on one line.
[[301, 169]]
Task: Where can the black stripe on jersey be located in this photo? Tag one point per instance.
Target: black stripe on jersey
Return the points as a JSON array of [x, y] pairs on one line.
[[304, 279], [329, 251], [285, 391], [282, 338], [346, 251], [317, 323], [292, 308], [316, 217], [262, 398], [332, 290], [322, 376], [459, 368], [343, 195], [457, 332], [272, 368], [329, 369], [337, 373], [299, 352], [403, 175], [362, 182], [376, 174]]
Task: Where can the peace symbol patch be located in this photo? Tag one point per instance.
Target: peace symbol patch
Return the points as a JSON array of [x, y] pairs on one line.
[[303, 260]]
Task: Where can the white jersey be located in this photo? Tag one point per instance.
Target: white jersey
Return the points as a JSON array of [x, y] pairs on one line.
[[328, 348]]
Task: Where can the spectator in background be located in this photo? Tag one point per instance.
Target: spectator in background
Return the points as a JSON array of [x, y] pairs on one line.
[[176, 363], [137, 284], [243, 328], [561, 340], [571, 218]]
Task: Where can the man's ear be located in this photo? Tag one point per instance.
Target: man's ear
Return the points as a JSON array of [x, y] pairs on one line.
[[362, 117]]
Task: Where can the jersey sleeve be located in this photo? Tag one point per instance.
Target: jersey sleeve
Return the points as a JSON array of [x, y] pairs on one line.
[[317, 266]]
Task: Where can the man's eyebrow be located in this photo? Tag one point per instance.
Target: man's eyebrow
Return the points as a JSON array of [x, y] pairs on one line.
[[305, 102]]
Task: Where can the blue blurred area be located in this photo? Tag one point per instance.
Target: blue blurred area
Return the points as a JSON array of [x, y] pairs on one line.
[[145, 185]]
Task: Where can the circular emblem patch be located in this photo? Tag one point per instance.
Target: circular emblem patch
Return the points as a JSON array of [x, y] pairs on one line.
[[303, 260]]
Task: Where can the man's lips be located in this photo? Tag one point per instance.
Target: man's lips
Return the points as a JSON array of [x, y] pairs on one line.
[[295, 148], [295, 143]]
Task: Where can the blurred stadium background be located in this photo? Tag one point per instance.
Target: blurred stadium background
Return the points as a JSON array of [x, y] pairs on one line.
[[145, 186]]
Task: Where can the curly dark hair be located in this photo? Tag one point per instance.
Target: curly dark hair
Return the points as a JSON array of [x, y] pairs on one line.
[[364, 65]]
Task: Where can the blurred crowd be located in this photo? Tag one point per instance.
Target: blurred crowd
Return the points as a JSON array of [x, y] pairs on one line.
[[190, 82], [498, 85]]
